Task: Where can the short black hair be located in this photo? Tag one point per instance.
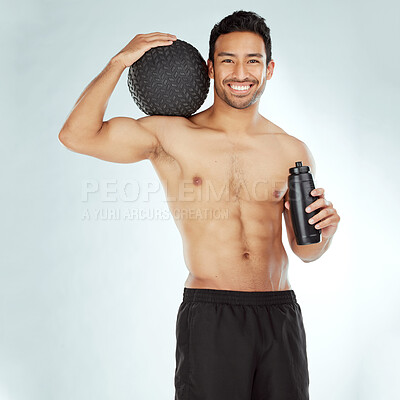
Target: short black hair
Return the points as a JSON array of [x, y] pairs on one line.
[[241, 21]]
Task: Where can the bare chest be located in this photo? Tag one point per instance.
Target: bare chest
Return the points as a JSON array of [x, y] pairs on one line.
[[212, 168]]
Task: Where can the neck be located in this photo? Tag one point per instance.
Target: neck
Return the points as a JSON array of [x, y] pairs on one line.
[[228, 119]]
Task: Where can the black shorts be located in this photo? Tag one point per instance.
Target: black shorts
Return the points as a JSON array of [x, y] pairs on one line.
[[240, 346]]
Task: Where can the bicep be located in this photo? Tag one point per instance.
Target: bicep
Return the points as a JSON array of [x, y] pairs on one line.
[[122, 140], [125, 140], [307, 158]]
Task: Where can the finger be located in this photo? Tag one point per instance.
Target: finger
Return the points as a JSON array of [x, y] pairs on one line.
[[321, 202], [331, 221], [156, 43], [326, 212], [318, 192], [157, 35]]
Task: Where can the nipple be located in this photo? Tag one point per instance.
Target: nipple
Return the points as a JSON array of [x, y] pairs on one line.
[[197, 180]]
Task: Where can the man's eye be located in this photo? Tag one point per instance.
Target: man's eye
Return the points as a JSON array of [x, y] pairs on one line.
[[231, 60]]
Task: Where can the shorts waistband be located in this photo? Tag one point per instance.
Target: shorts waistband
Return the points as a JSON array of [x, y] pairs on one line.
[[238, 297]]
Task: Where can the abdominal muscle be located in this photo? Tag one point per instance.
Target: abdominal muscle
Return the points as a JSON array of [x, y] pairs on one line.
[[239, 275], [228, 255]]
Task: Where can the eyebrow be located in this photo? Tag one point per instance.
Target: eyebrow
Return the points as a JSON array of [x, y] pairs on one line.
[[224, 53]]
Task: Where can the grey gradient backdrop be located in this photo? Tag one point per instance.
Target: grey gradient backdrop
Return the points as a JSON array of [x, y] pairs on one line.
[[88, 307]]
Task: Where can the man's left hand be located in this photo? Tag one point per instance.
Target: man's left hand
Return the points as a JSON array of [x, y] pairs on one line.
[[327, 219]]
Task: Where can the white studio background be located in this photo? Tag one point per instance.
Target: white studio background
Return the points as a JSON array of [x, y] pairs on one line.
[[88, 307]]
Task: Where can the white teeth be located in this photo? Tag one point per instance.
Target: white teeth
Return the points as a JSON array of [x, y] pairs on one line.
[[244, 88]]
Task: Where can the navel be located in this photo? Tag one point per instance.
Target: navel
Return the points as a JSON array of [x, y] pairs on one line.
[[246, 255]]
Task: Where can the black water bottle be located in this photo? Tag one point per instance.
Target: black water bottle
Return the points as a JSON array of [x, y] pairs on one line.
[[301, 184]]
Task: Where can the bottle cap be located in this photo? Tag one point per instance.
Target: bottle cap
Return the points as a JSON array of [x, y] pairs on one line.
[[299, 168]]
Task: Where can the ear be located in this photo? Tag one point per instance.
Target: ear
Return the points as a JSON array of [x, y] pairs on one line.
[[270, 69], [210, 68]]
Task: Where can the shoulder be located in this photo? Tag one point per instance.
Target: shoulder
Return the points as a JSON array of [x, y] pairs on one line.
[[161, 123], [297, 150], [294, 149], [169, 131], [165, 127]]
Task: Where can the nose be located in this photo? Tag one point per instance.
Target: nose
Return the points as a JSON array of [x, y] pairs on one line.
[[240, 71]]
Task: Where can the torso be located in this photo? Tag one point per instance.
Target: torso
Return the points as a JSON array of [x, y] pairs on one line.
[[226, 196]]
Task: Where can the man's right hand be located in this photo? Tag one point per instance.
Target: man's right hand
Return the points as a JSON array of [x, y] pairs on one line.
[[142, 43]]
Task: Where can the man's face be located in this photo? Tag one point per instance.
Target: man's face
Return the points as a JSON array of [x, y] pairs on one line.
[[246, 66]]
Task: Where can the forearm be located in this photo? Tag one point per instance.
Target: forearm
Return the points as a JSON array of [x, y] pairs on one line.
[[86, 118], [311, 252]]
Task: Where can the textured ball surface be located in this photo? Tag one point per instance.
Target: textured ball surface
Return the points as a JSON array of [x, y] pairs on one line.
[[169, 80]]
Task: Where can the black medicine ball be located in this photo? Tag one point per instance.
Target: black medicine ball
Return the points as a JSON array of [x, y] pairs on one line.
[[169, 80]]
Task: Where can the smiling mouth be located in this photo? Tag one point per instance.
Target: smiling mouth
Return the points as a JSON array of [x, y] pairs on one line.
[[239, 89]]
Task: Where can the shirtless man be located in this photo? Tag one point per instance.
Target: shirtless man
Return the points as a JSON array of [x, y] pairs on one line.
[[239, 330]]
